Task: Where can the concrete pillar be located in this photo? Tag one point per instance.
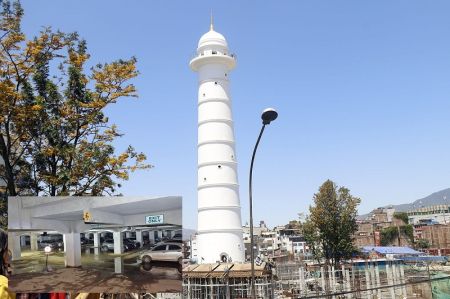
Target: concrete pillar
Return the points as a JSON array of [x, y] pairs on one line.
[[151, 237], [96, 242], [160, 234], [353, 275], [348, 286], [378, 281], [394, 276], [65, 243], [403, 280], [118, 243], [127, 235], [373, 279], [118, 265], [367, 275], [23, 241], [389, 280], [73, 249], [333, 279], [322, 278], [302, 279], [139, 237], [14, 246], [34, 241]]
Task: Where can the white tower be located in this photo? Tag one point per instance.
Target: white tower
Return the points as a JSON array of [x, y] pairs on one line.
[[219, 209]]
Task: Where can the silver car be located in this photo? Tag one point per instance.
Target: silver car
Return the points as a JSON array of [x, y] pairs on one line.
[[163, 252]]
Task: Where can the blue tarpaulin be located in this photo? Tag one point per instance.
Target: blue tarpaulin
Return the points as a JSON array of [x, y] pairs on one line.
[[390, 250]]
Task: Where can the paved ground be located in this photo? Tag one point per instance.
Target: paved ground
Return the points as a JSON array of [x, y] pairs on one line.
[[96, 275]]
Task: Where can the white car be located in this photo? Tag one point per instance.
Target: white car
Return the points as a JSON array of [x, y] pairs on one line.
[[163, 252]]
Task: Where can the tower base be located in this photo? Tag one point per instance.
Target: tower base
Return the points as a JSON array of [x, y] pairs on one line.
[[227, 280]]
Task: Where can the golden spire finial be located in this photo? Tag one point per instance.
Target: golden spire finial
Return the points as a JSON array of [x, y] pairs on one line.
[[211, 26]]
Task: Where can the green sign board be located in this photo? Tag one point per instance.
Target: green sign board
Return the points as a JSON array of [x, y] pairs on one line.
[[154, 219]]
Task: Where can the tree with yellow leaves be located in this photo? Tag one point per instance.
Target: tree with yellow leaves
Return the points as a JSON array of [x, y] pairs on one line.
[[55, 138]]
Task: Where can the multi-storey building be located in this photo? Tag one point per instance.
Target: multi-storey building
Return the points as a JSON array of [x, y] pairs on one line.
[[438, 237], [437, 213], [369, 229]]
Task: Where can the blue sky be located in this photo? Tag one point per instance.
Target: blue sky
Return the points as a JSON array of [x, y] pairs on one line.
[[362, 90]]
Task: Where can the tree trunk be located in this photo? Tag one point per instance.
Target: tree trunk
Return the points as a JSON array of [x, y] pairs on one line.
[[10, 184]]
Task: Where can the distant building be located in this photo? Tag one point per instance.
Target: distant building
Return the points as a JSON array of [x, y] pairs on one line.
[[257, 230], [369, 229], [438, 237], [281, 241], [437, 213]]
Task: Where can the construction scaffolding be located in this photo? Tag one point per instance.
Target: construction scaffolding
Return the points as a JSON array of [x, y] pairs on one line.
[[363, 279], [367, 279], [226, 281]]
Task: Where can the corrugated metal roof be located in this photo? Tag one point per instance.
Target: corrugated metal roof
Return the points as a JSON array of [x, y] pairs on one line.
[[426, 258], [390, 250]]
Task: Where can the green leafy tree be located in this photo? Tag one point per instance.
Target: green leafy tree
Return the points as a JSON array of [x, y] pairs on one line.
[[408, 232], [312, 238], [55, 137], [388, 235], [402, 216], [332, 222], [392, 234], [422, 244]]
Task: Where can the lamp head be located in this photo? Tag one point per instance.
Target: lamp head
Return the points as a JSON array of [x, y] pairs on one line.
[[268, 115]]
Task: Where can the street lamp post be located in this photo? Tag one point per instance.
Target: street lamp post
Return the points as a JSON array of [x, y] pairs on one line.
[[267, 116], [47, 251]]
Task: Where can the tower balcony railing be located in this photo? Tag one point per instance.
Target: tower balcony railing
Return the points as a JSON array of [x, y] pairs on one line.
[[212, 53]]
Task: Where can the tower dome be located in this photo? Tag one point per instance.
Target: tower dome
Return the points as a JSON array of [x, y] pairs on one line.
[[212, 39], [212, 48]]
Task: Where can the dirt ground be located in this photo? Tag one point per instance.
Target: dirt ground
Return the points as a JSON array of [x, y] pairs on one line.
[[95, 276]]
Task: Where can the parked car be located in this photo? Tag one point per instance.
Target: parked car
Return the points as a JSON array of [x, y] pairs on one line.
[[84, 241], [55, 241], [129, 245], [177, 238], [108, 245], [135, 243], [164, 252]]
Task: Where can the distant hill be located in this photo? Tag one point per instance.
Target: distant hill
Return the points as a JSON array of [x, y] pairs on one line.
[[436, 198]]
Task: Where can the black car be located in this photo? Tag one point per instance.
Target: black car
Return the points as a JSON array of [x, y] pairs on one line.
[[132, 241], [84, 241], [129, 244]]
